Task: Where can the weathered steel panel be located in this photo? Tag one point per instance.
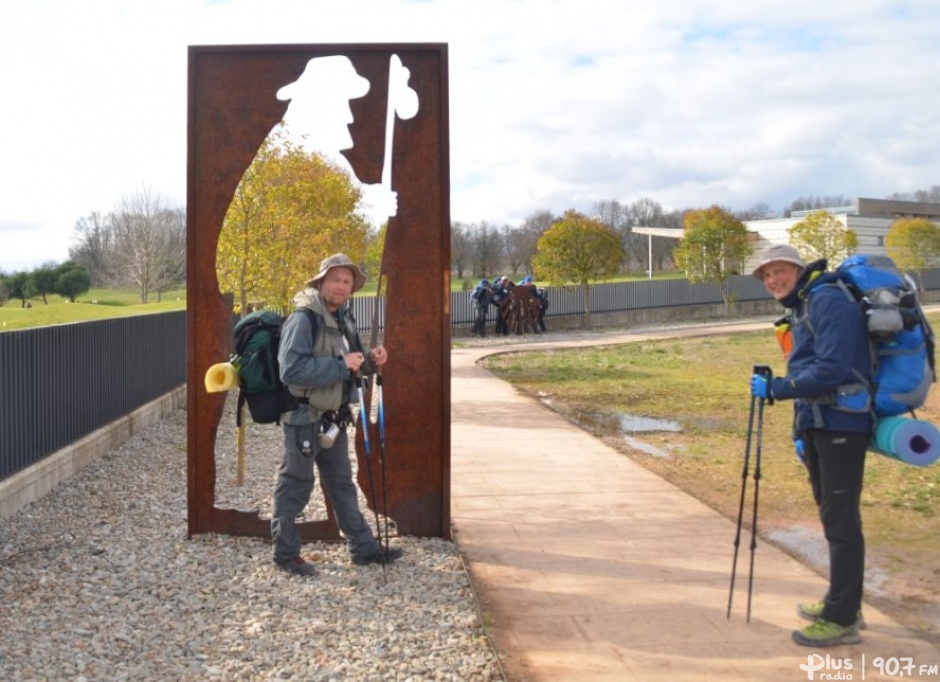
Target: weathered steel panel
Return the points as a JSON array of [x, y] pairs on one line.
[[232, 107]]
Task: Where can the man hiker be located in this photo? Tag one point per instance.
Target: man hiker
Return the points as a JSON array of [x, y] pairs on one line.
[[321, 368]]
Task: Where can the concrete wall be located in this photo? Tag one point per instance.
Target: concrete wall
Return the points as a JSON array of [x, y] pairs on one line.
[[32, 483]]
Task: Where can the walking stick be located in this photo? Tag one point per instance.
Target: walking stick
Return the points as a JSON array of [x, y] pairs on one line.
[[766, 372], [760, 437], [744, 472], [378, 415], [381, 418], [364, 427]]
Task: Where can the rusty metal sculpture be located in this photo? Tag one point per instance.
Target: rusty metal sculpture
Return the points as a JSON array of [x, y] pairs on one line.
[[232, 107], [520, 309]]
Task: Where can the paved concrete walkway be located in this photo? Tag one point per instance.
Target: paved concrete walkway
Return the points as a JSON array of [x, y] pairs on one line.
[[593, 568]]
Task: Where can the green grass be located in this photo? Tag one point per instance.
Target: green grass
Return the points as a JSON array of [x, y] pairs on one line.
[[97, 304]]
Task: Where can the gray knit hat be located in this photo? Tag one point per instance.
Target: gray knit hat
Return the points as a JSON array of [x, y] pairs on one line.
[[778, 252]]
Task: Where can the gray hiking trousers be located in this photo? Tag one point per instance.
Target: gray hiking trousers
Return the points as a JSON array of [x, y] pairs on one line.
[[295, 484]]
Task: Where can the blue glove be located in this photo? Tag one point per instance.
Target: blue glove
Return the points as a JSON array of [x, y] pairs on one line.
[[760, 388], [798, 444]]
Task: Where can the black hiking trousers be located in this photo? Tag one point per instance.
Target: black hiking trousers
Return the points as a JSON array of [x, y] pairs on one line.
[[836, 464]]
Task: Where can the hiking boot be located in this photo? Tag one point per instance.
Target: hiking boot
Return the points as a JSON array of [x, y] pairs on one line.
[[812, 611], [826, 633], [379, 557], [297, 566]]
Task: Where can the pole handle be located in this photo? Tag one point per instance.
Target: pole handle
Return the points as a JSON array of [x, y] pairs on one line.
[[767, 373]]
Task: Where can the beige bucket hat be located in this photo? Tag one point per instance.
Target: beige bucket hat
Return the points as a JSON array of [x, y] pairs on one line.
[[339, 260], [778, 252]]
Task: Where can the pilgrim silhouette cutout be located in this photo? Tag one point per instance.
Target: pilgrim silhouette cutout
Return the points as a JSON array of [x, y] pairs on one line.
[[318, 116]]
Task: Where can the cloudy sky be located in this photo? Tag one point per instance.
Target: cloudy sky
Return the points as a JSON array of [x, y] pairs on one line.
[[555, 104]]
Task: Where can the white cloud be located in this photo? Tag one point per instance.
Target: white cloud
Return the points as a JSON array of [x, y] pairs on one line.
[[554, 104]]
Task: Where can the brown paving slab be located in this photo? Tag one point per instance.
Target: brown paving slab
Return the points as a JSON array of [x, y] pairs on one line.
[[592, 568]]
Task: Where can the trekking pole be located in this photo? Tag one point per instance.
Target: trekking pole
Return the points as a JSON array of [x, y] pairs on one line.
[[364, 427], [374, 335], [378, 398], [744, 472], [381, 417], [768, 374]]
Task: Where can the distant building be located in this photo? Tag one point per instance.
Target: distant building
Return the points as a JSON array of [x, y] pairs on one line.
[[869, 219]]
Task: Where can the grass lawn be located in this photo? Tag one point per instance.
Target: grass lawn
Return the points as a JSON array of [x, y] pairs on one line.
[[97, 304], [703, 385]]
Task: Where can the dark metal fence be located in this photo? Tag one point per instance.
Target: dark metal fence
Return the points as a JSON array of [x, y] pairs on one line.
[[568, 301], [61, 383]]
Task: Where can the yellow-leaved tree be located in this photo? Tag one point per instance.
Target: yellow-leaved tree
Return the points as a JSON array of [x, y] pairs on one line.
[[913, 244], [713, 247], [578, 249], [822, 235], [291, 209]]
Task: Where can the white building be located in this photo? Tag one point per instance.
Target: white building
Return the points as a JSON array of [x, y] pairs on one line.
[[869, 219]]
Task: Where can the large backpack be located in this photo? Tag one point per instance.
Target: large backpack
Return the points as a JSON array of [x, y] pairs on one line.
[[902, 340], [257, 336]]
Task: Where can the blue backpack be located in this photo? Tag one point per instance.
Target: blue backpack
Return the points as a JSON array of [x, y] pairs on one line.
[[902, 340]]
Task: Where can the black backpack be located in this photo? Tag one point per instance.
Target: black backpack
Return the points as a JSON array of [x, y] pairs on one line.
[[257, 336]]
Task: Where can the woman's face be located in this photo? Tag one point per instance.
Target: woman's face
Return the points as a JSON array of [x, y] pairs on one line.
[[779, 278]]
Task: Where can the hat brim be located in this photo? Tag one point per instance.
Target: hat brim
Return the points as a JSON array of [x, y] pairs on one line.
[[781, 259], [359, 279]]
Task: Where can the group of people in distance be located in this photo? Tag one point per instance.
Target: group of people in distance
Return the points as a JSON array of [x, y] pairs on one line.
[[519, 306]]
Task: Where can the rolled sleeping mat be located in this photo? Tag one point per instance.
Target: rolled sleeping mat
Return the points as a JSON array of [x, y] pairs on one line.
[[221, 377], [912, 441]]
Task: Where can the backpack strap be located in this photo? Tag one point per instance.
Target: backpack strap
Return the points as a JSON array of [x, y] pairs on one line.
[[815, 403], [314, 322], [240, 406]]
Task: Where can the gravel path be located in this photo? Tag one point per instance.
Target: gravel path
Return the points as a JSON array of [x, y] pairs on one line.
[[99, 582]]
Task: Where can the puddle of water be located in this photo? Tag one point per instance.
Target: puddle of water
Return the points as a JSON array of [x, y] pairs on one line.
[[811, 547], [622, 425], [645, 447], [630, 423], [806, 543], [617, 424]]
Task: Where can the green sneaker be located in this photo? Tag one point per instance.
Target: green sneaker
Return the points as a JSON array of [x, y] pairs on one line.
[[812, 611], [824, 633]]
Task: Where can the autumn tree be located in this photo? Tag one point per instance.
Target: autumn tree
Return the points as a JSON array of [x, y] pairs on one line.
[[372, 255], [913, 243], [291, 208], [823, 235], [579, 250], [714, 244]]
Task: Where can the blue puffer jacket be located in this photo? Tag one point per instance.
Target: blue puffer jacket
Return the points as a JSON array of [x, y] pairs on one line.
[[830, 352]]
